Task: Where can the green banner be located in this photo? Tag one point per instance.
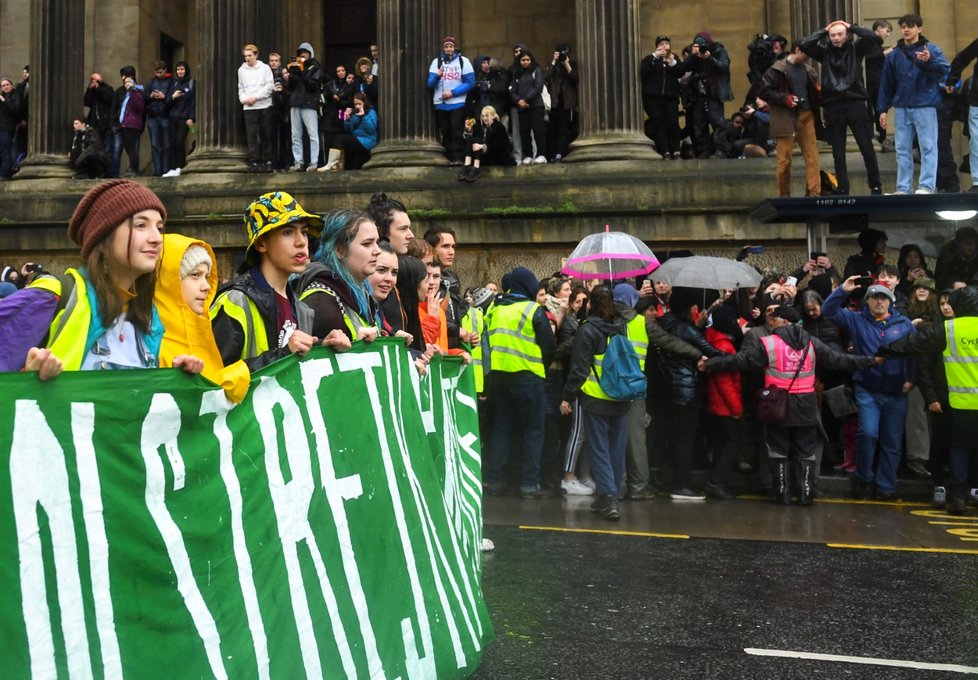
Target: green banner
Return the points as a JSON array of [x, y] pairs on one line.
[[328, 526]]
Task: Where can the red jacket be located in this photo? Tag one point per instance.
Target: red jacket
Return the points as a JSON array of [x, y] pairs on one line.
[[723, 387]]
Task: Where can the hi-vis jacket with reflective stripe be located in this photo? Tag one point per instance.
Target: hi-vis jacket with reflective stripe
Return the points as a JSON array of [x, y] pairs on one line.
[[961, 362], [512, 339], [354, 322], [244, 317], [474, 322], [782, 363], [639, 337], [68, 334]]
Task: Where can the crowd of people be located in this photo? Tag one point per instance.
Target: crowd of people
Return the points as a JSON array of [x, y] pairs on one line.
[[585, 387], [306, 116]]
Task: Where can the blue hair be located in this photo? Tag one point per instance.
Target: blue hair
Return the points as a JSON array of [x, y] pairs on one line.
[[340, 228]]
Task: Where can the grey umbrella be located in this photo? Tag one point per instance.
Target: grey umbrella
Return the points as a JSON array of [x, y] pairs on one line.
[[714, 273]]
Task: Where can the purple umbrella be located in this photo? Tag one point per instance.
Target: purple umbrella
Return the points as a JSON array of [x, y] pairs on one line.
[[610, 255]]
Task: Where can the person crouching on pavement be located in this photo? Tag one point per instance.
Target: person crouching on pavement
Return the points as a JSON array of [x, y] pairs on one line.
[[788, 357]]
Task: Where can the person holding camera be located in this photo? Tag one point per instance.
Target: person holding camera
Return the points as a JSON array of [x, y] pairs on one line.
[[844, 97], [305, 80], [350, 149], [660, 73], [790, 88], [709, 66], [98, 100], [129, 119], [562, 80]]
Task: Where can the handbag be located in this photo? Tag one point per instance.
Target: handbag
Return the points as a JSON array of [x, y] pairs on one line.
[[840, 401], [772, 403]]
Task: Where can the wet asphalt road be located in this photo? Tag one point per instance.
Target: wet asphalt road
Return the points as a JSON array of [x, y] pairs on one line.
[[685, 589]]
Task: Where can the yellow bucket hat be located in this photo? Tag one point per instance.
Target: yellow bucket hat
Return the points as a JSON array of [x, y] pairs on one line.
[[274, 210]]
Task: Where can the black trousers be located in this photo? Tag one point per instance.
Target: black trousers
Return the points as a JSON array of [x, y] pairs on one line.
[[674, 436], [854, 114], [561, 133], [354, 153], [531, 120], [663, 113], [451, 124], [947, 169], [728, 439], [178, 142], [258, 129], [130, 142], [791, 441], [703, 113]]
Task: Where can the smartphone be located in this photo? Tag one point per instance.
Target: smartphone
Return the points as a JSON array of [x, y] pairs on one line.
[[647, 282], [864, 281], [815, 255], [791, 281], [755, 250]]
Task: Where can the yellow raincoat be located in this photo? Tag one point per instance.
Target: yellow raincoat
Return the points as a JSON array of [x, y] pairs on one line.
[[190, 333]]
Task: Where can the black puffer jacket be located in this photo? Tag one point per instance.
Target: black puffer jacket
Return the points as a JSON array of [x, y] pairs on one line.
[[842, 67], [659, 77], [675, 378], [99, 102], [305, 82]]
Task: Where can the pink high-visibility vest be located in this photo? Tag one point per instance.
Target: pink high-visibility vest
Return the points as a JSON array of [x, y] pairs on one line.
[[782, 362]]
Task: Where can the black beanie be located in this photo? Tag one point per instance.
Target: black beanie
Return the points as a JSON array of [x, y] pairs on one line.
[[789, 314]]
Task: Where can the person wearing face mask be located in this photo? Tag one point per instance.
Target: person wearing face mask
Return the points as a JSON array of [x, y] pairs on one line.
[[881, 391]]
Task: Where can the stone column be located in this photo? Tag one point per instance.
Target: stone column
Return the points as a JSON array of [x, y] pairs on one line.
[[408, 41], [611, 98], [223, 27], [57, 86]]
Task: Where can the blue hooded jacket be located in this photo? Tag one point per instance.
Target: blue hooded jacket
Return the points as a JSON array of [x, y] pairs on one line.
[[908, 82], [868, 335]]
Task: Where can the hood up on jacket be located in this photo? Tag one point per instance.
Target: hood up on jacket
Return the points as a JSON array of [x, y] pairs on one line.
[[308, 47], [964, 301], [190, 333]]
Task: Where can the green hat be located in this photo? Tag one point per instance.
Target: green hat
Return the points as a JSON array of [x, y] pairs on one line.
[[274, 210]]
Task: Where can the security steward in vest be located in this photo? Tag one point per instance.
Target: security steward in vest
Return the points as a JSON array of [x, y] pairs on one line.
[[521, 345], [957, 341], [779, 355], [258, 316]]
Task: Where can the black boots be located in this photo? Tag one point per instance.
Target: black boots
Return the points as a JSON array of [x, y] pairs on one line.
[[780, 480], [804, 474]]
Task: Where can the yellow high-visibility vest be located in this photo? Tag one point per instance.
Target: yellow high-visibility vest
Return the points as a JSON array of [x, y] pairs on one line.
[[961, 362]]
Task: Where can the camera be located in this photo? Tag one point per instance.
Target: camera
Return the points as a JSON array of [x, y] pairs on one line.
[[562, 57]]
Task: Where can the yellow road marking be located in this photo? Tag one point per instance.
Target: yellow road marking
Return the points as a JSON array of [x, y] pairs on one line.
[[897, 548], [644, 534]]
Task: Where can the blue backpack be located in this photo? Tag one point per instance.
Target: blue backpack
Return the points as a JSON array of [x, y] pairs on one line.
[[622, 377]]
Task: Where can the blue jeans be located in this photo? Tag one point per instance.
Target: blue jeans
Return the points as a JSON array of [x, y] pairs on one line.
[[924, 122], [517, 415], [308, 119], [115, 153], [973, 146], [159, 139], [964, 438], [606, 438], [881, 419]]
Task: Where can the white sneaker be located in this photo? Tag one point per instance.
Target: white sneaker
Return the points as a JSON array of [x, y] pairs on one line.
[[540, 160], [175, 172], [973, 496], [487, 545], [923, 191], [527, 160], [574, 488], [589, 483], [168, 173], [939, 499]]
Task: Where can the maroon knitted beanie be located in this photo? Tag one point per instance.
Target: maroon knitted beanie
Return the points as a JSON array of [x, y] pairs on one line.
[[106, 206]]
